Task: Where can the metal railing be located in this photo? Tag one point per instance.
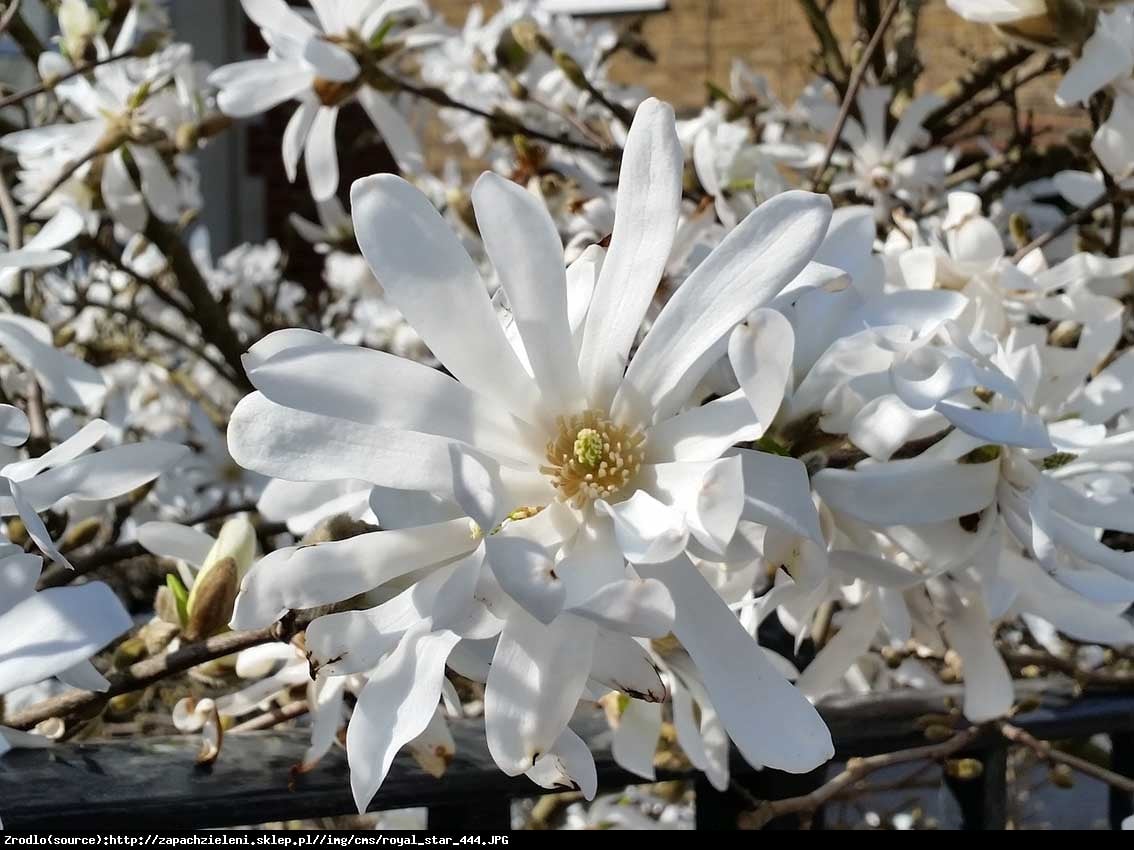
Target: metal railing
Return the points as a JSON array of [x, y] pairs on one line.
[[153, 783]]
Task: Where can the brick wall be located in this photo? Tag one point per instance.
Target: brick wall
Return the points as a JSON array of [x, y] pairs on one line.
[[696, 40]]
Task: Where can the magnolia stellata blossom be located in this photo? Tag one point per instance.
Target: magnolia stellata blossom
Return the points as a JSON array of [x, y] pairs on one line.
[[568, 462], [322, 67], [50, 633]]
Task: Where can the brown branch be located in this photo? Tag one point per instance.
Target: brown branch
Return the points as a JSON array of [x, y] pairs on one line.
[[856, 770], [151, 670], [105, 145], [960, 91], [1050, 754], [1080, 216], [852, 90], [831, 55], [52, 82], [272, 717], [130, 314], [9, 14], [510, 124], [58, 575], [1046, 661], [25, 37], [207, 313], [38, 439]]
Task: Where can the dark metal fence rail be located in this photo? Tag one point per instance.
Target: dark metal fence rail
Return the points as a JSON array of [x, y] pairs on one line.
[[153, 784]]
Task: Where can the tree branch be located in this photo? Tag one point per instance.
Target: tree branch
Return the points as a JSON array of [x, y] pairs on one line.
[[852, 90], [207, 313]]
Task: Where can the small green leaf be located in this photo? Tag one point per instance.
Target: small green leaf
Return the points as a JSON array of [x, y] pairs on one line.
[[180, 596]]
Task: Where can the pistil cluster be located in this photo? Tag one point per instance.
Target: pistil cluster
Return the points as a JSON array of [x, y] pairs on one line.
[[592, 458]]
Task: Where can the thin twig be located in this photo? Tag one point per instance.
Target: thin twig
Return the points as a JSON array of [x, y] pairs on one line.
[[856, 79], [1050, 754], [10, 12], [103, 146], [52, 82], [829, 51], [151, 670], [58, 575], [440, 98], [207, 313], [1080, 216], [38, 440], [272, 717], [133, 315], [856, 770]]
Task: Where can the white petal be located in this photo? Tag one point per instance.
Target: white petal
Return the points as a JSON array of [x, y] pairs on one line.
[[777, 493], [330, 61], [158, 187], [325, 697], [635, 739], [285, 443], [104, 475], [1104, 59], [568, 764], [747, 270], [295, 136], [395, 707], [83, 676], [988, 684], [19, 573], [635, 606], [909, 492], [647, 530], [331, 572], [760, 352], [705, 432], [277, 16], [253, 95], [646, 216], [524, 246], [65, 379], [535, 681], [393, 221], [120, 194], [173, 540], [770, 721], [622, 665], [14, 426], [853, 639], [320, 154], [527, 573], [395, 130], [52, 631], [379, 389]]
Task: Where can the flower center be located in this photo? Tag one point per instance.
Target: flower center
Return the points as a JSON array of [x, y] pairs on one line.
[[592, 458]]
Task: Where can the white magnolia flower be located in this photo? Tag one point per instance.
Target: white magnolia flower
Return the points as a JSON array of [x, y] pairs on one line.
[[1107, 59], [570, 462], [50, 633], [42, 251], [998, 11], [122, 112], [322, 67], [67, 474]]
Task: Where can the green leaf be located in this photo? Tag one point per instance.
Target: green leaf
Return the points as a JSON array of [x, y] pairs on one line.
[[180, 596]]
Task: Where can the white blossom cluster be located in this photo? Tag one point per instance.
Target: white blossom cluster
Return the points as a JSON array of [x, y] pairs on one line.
[[566, 439]]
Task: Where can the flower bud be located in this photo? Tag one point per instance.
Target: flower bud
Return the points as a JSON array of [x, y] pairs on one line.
[[964, 769], [212, 600], [570, 68], [78, 26], [209, 606], [1061, 776], [527, 35]]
